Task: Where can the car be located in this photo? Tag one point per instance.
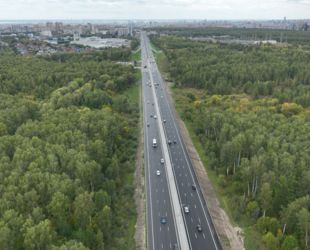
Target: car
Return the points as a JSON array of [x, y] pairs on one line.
[[151, 116], [164, 121], [148, 124], [199, 228], [174, 141], [162, 161], [163, 220], [194, 187], [169, 142], [153, 104], [145, 66], [158, 173], [155, 117], [186, 209]]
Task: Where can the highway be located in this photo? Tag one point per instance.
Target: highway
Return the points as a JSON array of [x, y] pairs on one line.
[[159, 236], [200, 231]]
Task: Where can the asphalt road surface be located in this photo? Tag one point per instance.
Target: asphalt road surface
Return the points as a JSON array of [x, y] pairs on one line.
[[159, 236], [199, 228]]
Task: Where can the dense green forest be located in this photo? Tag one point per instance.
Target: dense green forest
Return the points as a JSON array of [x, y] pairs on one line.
[[248, 111], [280, 35], [68, 138]]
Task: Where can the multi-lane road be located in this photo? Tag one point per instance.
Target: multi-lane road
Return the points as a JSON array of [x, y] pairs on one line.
[[176, 186]]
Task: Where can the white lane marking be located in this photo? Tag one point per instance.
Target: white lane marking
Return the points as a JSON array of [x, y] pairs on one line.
[[192, 219], [164, 201], [203, 235], [162, 245], [191, 194], [156, 190], [199, 219], [168, 228], [157, 201], [185, 194], [195, 235], [195, 206], [182, 184], [163, 190]]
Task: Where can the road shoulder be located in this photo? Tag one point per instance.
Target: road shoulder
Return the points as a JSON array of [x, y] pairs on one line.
[[139, 196]]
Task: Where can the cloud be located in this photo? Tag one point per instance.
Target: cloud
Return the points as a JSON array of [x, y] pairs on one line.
[[154, 9]]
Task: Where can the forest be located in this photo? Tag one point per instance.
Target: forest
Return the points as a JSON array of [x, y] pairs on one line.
[[68, 140], [247, 109], [287, 36]]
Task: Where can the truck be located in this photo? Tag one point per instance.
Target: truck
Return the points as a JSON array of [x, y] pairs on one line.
[[154, 143]]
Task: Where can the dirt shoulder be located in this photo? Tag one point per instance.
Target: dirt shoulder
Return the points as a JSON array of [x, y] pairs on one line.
[[139, 195], [230, 236]]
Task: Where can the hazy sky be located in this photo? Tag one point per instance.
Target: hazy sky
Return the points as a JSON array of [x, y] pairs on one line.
[[154, 9]]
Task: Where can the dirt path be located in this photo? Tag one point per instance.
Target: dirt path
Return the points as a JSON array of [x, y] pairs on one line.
[[230, 236], [139, 195]]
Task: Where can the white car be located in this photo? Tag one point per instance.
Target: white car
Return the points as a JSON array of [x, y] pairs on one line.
[[155, 117], [158, 173], [186, 209], [162, 161]]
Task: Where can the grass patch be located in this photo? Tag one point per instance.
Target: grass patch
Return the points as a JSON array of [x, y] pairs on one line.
[[155, 48], [136, 55]]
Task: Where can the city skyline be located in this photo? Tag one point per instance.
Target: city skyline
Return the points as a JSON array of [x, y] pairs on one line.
[[151, 9]]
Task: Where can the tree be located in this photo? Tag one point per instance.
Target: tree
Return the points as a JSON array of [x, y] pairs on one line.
[[271, 241], [304, 223], [83, 208], [265, 197], [59, 210], [289, 243], [39, 236], [6, 240]]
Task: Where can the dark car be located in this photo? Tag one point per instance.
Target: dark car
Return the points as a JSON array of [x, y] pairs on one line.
[[194, 187], [145, 66], [169, 142], [163, 220], [199, 228], [174, 141]]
